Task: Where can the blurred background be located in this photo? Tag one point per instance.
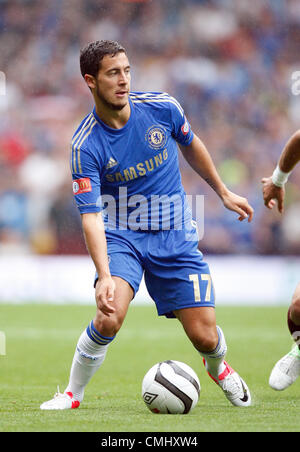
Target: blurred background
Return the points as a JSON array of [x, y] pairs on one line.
[[228, 62]]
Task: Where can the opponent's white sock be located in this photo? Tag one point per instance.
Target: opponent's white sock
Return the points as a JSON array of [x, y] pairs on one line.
[[89, 355], [214, 360]]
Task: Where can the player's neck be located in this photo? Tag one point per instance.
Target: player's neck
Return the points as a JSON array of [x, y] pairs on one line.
[[116, 119]]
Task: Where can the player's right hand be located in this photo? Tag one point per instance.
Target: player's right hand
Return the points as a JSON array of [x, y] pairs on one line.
[[272, 193], [104, 294]]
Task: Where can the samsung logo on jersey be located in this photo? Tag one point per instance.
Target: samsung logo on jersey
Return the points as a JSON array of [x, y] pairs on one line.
[[139, 170]]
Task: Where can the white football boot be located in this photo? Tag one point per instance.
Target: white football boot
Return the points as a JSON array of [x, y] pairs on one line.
[[61, 401], [286, 370], [233, 386]]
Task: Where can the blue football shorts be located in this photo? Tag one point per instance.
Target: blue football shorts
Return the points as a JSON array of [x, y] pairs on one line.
[[175, 274]]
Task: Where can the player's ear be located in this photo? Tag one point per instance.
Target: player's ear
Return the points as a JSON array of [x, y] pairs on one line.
[[90, 81]]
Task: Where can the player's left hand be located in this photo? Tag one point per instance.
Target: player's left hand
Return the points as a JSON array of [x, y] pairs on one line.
[[238, 204], [271, 194]]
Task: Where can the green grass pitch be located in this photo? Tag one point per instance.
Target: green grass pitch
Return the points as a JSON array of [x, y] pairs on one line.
[[40, 341]]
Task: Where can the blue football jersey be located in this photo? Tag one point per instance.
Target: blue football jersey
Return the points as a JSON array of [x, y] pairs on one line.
[[132, 174]]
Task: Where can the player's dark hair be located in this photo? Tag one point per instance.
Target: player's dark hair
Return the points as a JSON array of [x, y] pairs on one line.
[[92, 55]]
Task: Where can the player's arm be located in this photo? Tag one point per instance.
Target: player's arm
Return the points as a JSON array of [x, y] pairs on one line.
[[200, 160], [94, 234], [273, 187]]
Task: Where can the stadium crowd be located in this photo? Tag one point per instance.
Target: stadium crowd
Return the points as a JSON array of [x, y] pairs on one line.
[[228, 62]]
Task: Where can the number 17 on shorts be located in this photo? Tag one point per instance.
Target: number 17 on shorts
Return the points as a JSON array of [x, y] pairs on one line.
[[204, 277]]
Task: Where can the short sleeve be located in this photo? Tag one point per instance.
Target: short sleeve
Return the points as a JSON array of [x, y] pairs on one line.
[[86, 180], [181, 128]]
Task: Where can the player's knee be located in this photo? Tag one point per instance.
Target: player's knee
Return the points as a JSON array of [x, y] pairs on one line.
[[204, 340], [108, 325]]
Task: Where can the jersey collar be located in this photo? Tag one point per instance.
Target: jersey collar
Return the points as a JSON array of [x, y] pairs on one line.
[[111, 129]]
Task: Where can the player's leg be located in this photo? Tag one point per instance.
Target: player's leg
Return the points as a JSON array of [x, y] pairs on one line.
[[92, 347], [93, 343], [199, 324], [208, 338], [287, 369], [179, 282], [200, 327]]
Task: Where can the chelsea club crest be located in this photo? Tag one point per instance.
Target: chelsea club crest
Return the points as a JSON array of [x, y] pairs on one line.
[[156, 137]]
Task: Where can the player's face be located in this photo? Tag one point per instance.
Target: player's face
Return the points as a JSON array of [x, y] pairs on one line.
[[113, 81]]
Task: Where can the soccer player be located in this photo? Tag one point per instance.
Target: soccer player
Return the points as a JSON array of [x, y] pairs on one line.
[[124, 162], [287, 369]]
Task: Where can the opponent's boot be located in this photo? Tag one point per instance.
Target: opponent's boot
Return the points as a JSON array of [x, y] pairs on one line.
[[286, 370]]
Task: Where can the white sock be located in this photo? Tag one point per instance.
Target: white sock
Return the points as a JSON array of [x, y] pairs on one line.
[[89, 355], [214, 361]]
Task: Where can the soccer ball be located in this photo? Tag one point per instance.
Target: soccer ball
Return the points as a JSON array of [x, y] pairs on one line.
[[171, 387]]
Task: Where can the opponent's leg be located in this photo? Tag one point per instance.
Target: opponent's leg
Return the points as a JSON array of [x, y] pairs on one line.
[[294, 316], [287, 369], [208, 338], [91, 349]]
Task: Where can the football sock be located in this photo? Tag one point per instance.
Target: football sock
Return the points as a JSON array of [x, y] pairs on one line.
[[294, 329], [89, 355], [214, 360]]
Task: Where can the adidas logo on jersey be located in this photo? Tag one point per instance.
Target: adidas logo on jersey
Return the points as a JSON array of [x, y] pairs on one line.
[[111, 162]]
